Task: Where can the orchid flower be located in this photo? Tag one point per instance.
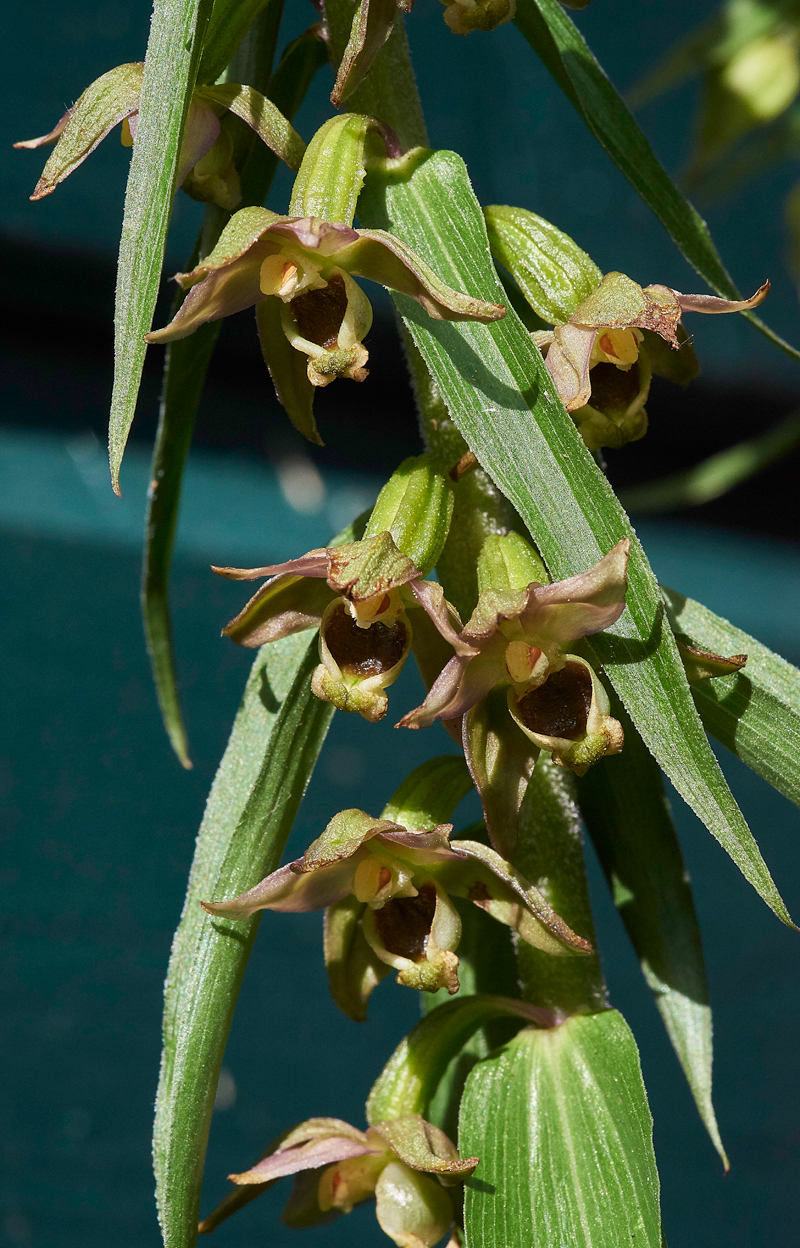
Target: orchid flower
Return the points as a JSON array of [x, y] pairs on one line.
[[298, 274], [405, 1165], [607, 328], [387, 894], [205, 169], [358, 595]]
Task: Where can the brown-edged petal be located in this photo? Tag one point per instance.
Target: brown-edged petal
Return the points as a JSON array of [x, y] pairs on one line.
[[580, 605], [373, 22], [712, 304], [382, 258], [283, 606], [423, 1146]]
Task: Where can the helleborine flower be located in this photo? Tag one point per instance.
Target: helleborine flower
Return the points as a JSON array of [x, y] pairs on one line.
[[358, 595], [387, 892], [204, 166], [298, 273], [405, 1165], [518, 638], [606, 329]]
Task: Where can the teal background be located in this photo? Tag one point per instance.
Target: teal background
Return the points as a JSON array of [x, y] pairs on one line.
[[99, 821]]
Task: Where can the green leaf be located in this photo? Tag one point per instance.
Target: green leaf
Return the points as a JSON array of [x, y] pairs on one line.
[[229, 22], [560, 1121], [185, 368], [714, 476], [500, 397], [564, 52], [170, 67], [275, 741], [754, 713], [409, 1079], [628, 818]]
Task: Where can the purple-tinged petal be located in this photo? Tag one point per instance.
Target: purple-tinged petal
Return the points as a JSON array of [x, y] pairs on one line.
[[462, 683], [288, 370], [284, 606], [567, 362], [289, 892], [225, 291], [315, 563], [428, 847], [246, 228], [325, 237], [311, 1156], [199, 136], [382, 258], [711, 304], [44, 139], [580, 605], [430, 597]]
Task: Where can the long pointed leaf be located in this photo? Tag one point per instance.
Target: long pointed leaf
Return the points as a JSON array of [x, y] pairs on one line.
[[500, 396], [629, 821], [185, 368], [277, 736], [563, 50], [560, 1121], [713, 477], [170, 67], [755, 713]]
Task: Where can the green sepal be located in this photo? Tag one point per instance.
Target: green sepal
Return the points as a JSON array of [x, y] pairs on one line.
[[410, 1078], [333, 171], [509, 562], [103, 104], [354, 969], [501, 760], [554, 274], [343, 837], [416, 507], [262, 116], [430, 795]]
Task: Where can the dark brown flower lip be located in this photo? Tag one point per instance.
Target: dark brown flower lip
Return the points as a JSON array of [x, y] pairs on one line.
[[364, 651], [560, 707]]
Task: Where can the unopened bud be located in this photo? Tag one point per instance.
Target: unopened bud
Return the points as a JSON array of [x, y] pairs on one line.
[[508, 562], [464, 16], [333, 171], [554, 274], [416, 507]]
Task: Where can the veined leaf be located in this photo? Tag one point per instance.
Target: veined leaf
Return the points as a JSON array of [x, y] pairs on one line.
[[170, 68], [628, 817], [409, 1079], [560, 1121], [563, 50], [227, 26], [755, 713], [275, 741], [501, 398], [714, 476], [185, 367]]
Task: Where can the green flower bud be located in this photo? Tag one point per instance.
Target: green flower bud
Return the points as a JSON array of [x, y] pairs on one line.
[[416, 507], [508, 562], [551, 270], [333, 171]]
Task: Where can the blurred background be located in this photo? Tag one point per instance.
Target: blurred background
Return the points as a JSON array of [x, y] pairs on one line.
[[99, 818]]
